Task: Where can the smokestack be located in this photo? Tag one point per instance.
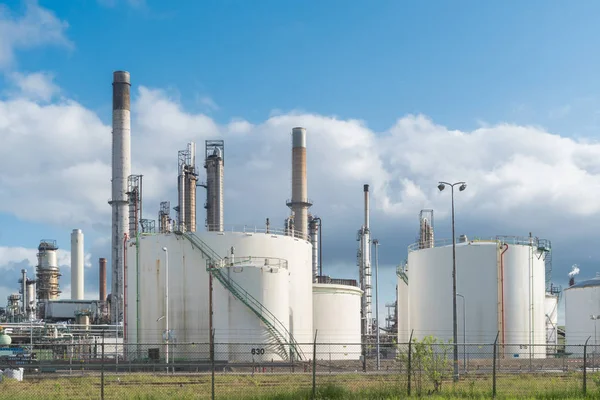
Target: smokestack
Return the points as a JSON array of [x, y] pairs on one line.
[[102, 279], [77, 264], [299, 203], [121, 169]]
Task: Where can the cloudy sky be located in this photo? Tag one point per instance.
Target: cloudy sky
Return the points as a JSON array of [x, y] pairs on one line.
[[399, 95]]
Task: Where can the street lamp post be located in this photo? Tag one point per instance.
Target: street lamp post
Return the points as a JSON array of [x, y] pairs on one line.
[[376, 244], [166, 306], [464, 332], [463, 186]]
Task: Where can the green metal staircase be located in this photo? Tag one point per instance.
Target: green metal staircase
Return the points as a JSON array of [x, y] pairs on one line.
[[282, 339]]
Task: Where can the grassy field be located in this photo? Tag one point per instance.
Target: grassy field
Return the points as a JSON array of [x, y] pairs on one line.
[[297, 386]]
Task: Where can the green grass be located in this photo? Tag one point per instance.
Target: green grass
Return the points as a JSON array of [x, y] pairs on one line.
[[295, 386]]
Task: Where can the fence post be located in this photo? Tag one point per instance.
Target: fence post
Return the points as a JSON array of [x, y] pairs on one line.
[[409, 362], [494, 366], [314, 369], [212, 363], [102, 370], [585, 366]]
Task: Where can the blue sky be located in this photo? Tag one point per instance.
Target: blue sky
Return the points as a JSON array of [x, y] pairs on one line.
[[399, 94], [460, 63]]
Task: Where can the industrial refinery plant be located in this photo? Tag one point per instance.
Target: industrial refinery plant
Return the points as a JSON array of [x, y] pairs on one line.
[[263, 291]]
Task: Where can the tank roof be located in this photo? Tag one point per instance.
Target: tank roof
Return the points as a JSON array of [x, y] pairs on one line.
[[587, 283]]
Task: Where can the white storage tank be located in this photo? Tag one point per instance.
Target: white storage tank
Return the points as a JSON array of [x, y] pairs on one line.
[[336, 310], [500, 289], [582, 305], [279, 278]]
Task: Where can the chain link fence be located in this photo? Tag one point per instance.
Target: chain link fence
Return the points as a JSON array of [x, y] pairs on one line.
[[97, 369]]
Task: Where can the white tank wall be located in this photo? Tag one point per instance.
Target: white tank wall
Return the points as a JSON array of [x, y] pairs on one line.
[[524, 295], [580, 304], [477, 263], [403, 311], [297, 252], [268, 285], [188, 290], [551, 313], [430, 292], [336, 310]]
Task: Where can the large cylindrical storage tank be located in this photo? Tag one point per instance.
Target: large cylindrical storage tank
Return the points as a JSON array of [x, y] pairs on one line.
[[336, 310], [524, 294], [582, 305], [496, 286], [297, 252], [286, 294]]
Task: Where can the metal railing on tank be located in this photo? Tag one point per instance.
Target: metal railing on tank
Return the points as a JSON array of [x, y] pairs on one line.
[[255, 229], [543, 245], [336, 281]]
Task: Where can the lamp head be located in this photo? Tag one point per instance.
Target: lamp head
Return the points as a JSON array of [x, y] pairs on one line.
[[164, 249], [441, 186], [462, 187]]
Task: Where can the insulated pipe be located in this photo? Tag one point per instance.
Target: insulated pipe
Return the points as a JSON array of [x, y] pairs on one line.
[[121, 169]]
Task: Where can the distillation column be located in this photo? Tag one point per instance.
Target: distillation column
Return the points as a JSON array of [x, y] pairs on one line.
[[364, 262], [214, 164], [121, 169]]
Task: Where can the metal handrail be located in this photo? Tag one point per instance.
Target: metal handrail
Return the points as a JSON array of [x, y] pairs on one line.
[[256, 260], [255, 229], [543, 244], [214, 265]]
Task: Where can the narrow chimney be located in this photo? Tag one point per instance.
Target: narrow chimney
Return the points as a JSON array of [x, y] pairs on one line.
[[299, 204], [102, 279], [121, 169]]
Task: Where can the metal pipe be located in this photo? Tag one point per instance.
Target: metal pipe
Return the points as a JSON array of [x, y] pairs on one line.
[[376, 243], [464, 332], [121, 169], [167, 306], [320, 247], [502, 316], [102, 279], [24, 291]]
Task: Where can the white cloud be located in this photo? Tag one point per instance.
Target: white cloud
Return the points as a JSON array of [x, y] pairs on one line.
[[510, 169], [34, 86], [207, 102], [37, 26]]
